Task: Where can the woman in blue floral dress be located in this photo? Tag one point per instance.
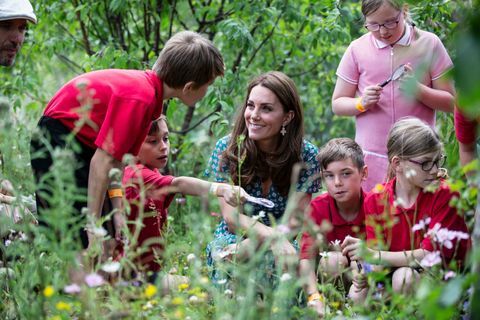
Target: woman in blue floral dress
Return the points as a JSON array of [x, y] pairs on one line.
[[267, 139]]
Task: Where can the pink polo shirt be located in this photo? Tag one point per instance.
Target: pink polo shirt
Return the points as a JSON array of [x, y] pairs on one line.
[[368, 61]]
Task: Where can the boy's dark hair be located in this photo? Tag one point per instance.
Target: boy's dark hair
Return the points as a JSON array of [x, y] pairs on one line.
[[339, 149], [186, 57], [154, 125]]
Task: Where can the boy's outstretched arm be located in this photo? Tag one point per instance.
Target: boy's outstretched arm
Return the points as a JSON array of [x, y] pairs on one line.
[[233, 195]]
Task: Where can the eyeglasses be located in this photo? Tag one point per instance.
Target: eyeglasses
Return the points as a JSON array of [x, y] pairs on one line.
[[388, 25], [428, 165]]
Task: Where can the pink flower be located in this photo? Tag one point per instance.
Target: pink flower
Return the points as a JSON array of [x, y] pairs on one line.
[[431, 259], [422, 224], [94, 280], [448, 275], [72, 288]]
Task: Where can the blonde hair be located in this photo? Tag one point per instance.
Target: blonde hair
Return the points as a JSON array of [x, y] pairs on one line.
[[409, 138], [186, 57], [370, 6]]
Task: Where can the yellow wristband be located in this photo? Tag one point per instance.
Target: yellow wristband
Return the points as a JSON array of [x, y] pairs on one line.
[[115, 193], [359, 106], [315, 297]]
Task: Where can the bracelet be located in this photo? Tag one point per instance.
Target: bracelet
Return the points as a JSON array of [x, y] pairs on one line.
[[115, 193], [214, 189], [316, 297], [359, 106]]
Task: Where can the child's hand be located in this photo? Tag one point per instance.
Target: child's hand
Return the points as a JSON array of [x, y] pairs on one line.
[[351, 248], [371, 96], [359, 278], [233, 195], [119, 224], [319, 307]]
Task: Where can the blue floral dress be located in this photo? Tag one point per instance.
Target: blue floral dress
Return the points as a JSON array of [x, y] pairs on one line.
[[307, 182]]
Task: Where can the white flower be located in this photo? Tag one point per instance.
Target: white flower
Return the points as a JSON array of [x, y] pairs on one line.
[[335, 243], [324, 254], [94, 280], [8, 242], [283, 229], [431, 259], [72, 288], [285, 277], [222, 281], [191, 257], [260, 215], [111, 267], [228, 292], [422, 224], [450, 274], [410, 173], [193, 299]]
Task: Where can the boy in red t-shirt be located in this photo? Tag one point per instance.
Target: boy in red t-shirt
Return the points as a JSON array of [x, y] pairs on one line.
[[150, 193], [109, 112], [340, 211], [466, 131]]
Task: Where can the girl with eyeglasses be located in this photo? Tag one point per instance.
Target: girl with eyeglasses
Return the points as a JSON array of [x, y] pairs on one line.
[[392, 40], [410, 221]]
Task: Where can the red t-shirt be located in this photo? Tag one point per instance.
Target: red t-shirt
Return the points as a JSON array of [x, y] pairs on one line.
[[154, 219], [393, 225], [465, 129], [117, 107], [323, 208]]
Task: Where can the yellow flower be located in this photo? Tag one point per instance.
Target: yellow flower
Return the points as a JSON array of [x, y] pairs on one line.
[[150, 291], [63, 306], [177, 301], [48, 291], [182, 286], [335, 304], [379, 188]]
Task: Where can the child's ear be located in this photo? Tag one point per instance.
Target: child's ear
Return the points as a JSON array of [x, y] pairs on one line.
[[395, 163], [189, 86], [364, 173]]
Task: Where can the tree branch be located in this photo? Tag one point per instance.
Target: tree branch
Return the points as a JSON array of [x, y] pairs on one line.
[[86, 42], [185, 129]]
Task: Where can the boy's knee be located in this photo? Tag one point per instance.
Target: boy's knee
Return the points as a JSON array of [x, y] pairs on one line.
[[403, 279], [333, 264]]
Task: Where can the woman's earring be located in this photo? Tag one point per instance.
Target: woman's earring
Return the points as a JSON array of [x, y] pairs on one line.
[[283, 131]]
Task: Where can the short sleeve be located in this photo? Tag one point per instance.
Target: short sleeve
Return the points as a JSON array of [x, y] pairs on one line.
[[447, 217], [373, 220], [348, 67], [124, 127], [441, 62], [465, 129], [309, 179], [307, 248], [217, 169]]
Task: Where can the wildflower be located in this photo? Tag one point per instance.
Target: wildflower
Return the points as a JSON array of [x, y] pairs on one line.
[[410, 173], [111, 267], [204, 280], [228, 292], [150, 291], [260, 215], [191, 257], [182, 286], [181, 201], [193, 299], [63, 306], [324, 254], [173, 270], [431, 259], [449, 274], [335, 243], [48, 291], [422, 224], [94, 280], [285, 277], [7, 242], [367, 267], [379, 188], [335, 304], [222, 281], [72, 288], [177, 301], [283, 229]]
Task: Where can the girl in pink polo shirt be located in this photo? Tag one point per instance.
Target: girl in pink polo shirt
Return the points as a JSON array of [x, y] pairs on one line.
[[370, 60], [410, 223]]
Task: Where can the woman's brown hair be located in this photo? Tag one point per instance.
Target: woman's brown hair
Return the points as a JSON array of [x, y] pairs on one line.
[[276, 165]]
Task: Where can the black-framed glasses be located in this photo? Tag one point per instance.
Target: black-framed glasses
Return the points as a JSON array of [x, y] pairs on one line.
[[388, 25], [428, 165]]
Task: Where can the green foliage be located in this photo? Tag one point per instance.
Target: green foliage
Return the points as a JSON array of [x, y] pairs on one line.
[[304, 39]]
